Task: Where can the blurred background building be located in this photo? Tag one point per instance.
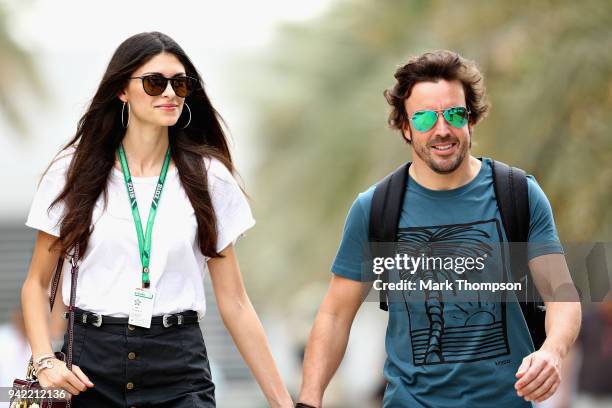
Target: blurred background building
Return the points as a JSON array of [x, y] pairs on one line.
[[300, 86]]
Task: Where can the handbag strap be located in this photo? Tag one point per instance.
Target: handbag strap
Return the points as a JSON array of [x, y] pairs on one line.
[[74, 261], [73, 287], [55, 282]]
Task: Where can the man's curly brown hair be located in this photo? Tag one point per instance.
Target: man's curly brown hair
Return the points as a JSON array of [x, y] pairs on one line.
[[431, 67]]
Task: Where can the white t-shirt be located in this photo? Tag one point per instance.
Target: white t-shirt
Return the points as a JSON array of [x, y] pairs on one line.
[[110, 269]]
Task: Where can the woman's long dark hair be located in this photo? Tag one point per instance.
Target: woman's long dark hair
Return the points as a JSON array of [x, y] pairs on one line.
[[100, 132]]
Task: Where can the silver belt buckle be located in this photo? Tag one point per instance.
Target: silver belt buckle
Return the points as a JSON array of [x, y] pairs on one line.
[[166, 323], [98, 321]]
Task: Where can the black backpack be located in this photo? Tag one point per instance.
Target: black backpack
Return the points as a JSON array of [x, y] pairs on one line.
[[510, 184]]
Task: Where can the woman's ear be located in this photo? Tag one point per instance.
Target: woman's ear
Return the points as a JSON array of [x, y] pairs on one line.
[[121, 95]]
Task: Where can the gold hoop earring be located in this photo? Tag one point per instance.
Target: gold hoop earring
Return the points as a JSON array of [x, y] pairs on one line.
[[128, 119], [189, 121]]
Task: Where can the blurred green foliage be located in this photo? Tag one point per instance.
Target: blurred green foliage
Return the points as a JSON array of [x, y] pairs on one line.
[[322, 135], [17, 75]]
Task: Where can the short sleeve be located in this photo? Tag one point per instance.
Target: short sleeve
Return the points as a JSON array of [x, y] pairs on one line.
[[543, 237], [40, 216], [232, 210], [352, 258]]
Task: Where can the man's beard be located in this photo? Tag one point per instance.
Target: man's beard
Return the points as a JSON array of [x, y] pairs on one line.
[[447, 165]]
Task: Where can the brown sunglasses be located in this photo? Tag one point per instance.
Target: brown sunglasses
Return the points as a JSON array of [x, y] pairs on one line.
[[155, 84]]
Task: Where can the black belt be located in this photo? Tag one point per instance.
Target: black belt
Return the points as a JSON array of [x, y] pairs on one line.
[[84, 317]]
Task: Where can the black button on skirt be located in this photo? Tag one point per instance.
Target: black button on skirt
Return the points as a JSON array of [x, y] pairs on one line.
[[137, 367]]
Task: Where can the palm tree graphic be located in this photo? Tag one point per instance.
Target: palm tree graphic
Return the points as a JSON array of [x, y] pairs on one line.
[[464, 240]]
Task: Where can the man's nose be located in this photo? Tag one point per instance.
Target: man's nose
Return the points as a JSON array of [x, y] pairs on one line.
[[441, 126]]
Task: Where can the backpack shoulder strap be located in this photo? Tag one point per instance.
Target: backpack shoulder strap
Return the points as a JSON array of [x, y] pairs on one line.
[[512, 196], [510, 184], [385, 211]]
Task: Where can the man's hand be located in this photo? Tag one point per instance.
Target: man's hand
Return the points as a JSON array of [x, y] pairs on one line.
[[539, 376], [329, 337]]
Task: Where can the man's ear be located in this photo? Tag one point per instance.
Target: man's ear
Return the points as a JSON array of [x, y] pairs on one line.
[[407, 133]]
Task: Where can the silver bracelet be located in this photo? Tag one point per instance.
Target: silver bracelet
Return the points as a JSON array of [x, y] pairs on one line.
[[46, 363], [40, 359]]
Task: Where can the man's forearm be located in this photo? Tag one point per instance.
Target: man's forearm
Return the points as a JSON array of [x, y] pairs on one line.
[[562, 326], [324, 352]]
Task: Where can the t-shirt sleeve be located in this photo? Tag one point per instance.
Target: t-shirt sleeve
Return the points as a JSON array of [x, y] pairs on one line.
[[543, 237], [40, 216], [352, 258], [232, 210]]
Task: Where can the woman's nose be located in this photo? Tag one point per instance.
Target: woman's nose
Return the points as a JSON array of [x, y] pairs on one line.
[[169, 91]]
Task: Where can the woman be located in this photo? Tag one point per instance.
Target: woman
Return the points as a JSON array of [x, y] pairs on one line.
[[150, 133]]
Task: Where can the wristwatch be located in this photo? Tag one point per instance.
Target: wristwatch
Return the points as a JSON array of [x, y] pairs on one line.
[[302, 405]]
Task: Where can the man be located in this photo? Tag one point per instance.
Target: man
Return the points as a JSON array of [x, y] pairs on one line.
[[437, 101]]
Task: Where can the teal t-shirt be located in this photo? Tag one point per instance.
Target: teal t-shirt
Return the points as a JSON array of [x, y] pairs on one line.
[[479, 344]]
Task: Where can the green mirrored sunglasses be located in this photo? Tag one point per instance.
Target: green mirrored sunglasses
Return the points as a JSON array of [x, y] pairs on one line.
[[456, 116]]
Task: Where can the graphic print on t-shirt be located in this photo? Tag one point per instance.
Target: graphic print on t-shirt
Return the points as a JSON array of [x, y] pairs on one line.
[[445, 328]]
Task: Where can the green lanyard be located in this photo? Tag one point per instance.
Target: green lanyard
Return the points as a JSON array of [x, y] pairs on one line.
[[144, 241]]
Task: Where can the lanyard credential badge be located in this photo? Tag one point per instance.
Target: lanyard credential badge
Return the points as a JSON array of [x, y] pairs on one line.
[[141, 310], [143, 298]]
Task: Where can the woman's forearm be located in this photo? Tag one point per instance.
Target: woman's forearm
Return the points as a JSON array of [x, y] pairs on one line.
[[35, 307], [248, 334]]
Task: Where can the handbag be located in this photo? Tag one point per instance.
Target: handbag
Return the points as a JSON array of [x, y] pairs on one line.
[[29, 393]]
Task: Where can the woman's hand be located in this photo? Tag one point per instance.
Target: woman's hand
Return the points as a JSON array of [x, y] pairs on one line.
[[245, 328], [59, 376]]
